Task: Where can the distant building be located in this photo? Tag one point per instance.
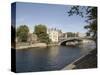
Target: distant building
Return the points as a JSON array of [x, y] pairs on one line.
[[60, 35], [70, 34], [81, 34], [65, 36], [53, 34]]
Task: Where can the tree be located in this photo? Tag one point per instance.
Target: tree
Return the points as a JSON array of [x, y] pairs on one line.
[[41, 31], [22, 33], [44, 38], [70, 34], [90, 13], [87, 34]]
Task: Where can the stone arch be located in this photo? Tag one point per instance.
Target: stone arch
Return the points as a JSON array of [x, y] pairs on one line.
[[71, 40]]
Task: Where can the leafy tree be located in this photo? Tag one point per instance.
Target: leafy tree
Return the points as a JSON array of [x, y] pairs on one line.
[[87, 34], [90, 13], [41, 31], [44, 38], [70, 34], [22, 33]]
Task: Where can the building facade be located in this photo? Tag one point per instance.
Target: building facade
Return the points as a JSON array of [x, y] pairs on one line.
[[81, 34], [53, 34]]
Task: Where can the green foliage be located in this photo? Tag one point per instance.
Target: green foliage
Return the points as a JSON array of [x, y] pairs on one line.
[[44, 38], [22, 33], [41, 31], [70, 34], [90, 13], [87, 34]]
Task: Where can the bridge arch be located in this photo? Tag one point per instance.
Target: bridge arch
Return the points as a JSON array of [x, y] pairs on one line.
[[76, 40], [70, 41]]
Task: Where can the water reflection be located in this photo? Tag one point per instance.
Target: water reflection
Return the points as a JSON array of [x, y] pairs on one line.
[[53, 52], [50, 58]]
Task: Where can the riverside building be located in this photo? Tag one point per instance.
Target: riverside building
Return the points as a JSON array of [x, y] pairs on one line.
[[53, 34]]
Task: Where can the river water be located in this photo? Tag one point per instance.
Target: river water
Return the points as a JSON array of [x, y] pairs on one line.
[[50, 58]]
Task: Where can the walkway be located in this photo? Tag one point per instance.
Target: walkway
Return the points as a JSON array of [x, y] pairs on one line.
[[84, 62]]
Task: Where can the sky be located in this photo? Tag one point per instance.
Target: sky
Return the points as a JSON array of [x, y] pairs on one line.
[[51, 15]]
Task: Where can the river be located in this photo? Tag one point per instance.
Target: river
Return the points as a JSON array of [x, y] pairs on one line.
[[49, 58]]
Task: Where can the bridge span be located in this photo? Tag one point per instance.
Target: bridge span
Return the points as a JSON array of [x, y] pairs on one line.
[[75, 40]]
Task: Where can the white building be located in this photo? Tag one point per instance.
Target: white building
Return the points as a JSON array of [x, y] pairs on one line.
[[53, 34], [81, 34], [65, 35]]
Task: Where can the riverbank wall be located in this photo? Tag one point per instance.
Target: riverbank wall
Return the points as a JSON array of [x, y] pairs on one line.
[[41, 45]]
